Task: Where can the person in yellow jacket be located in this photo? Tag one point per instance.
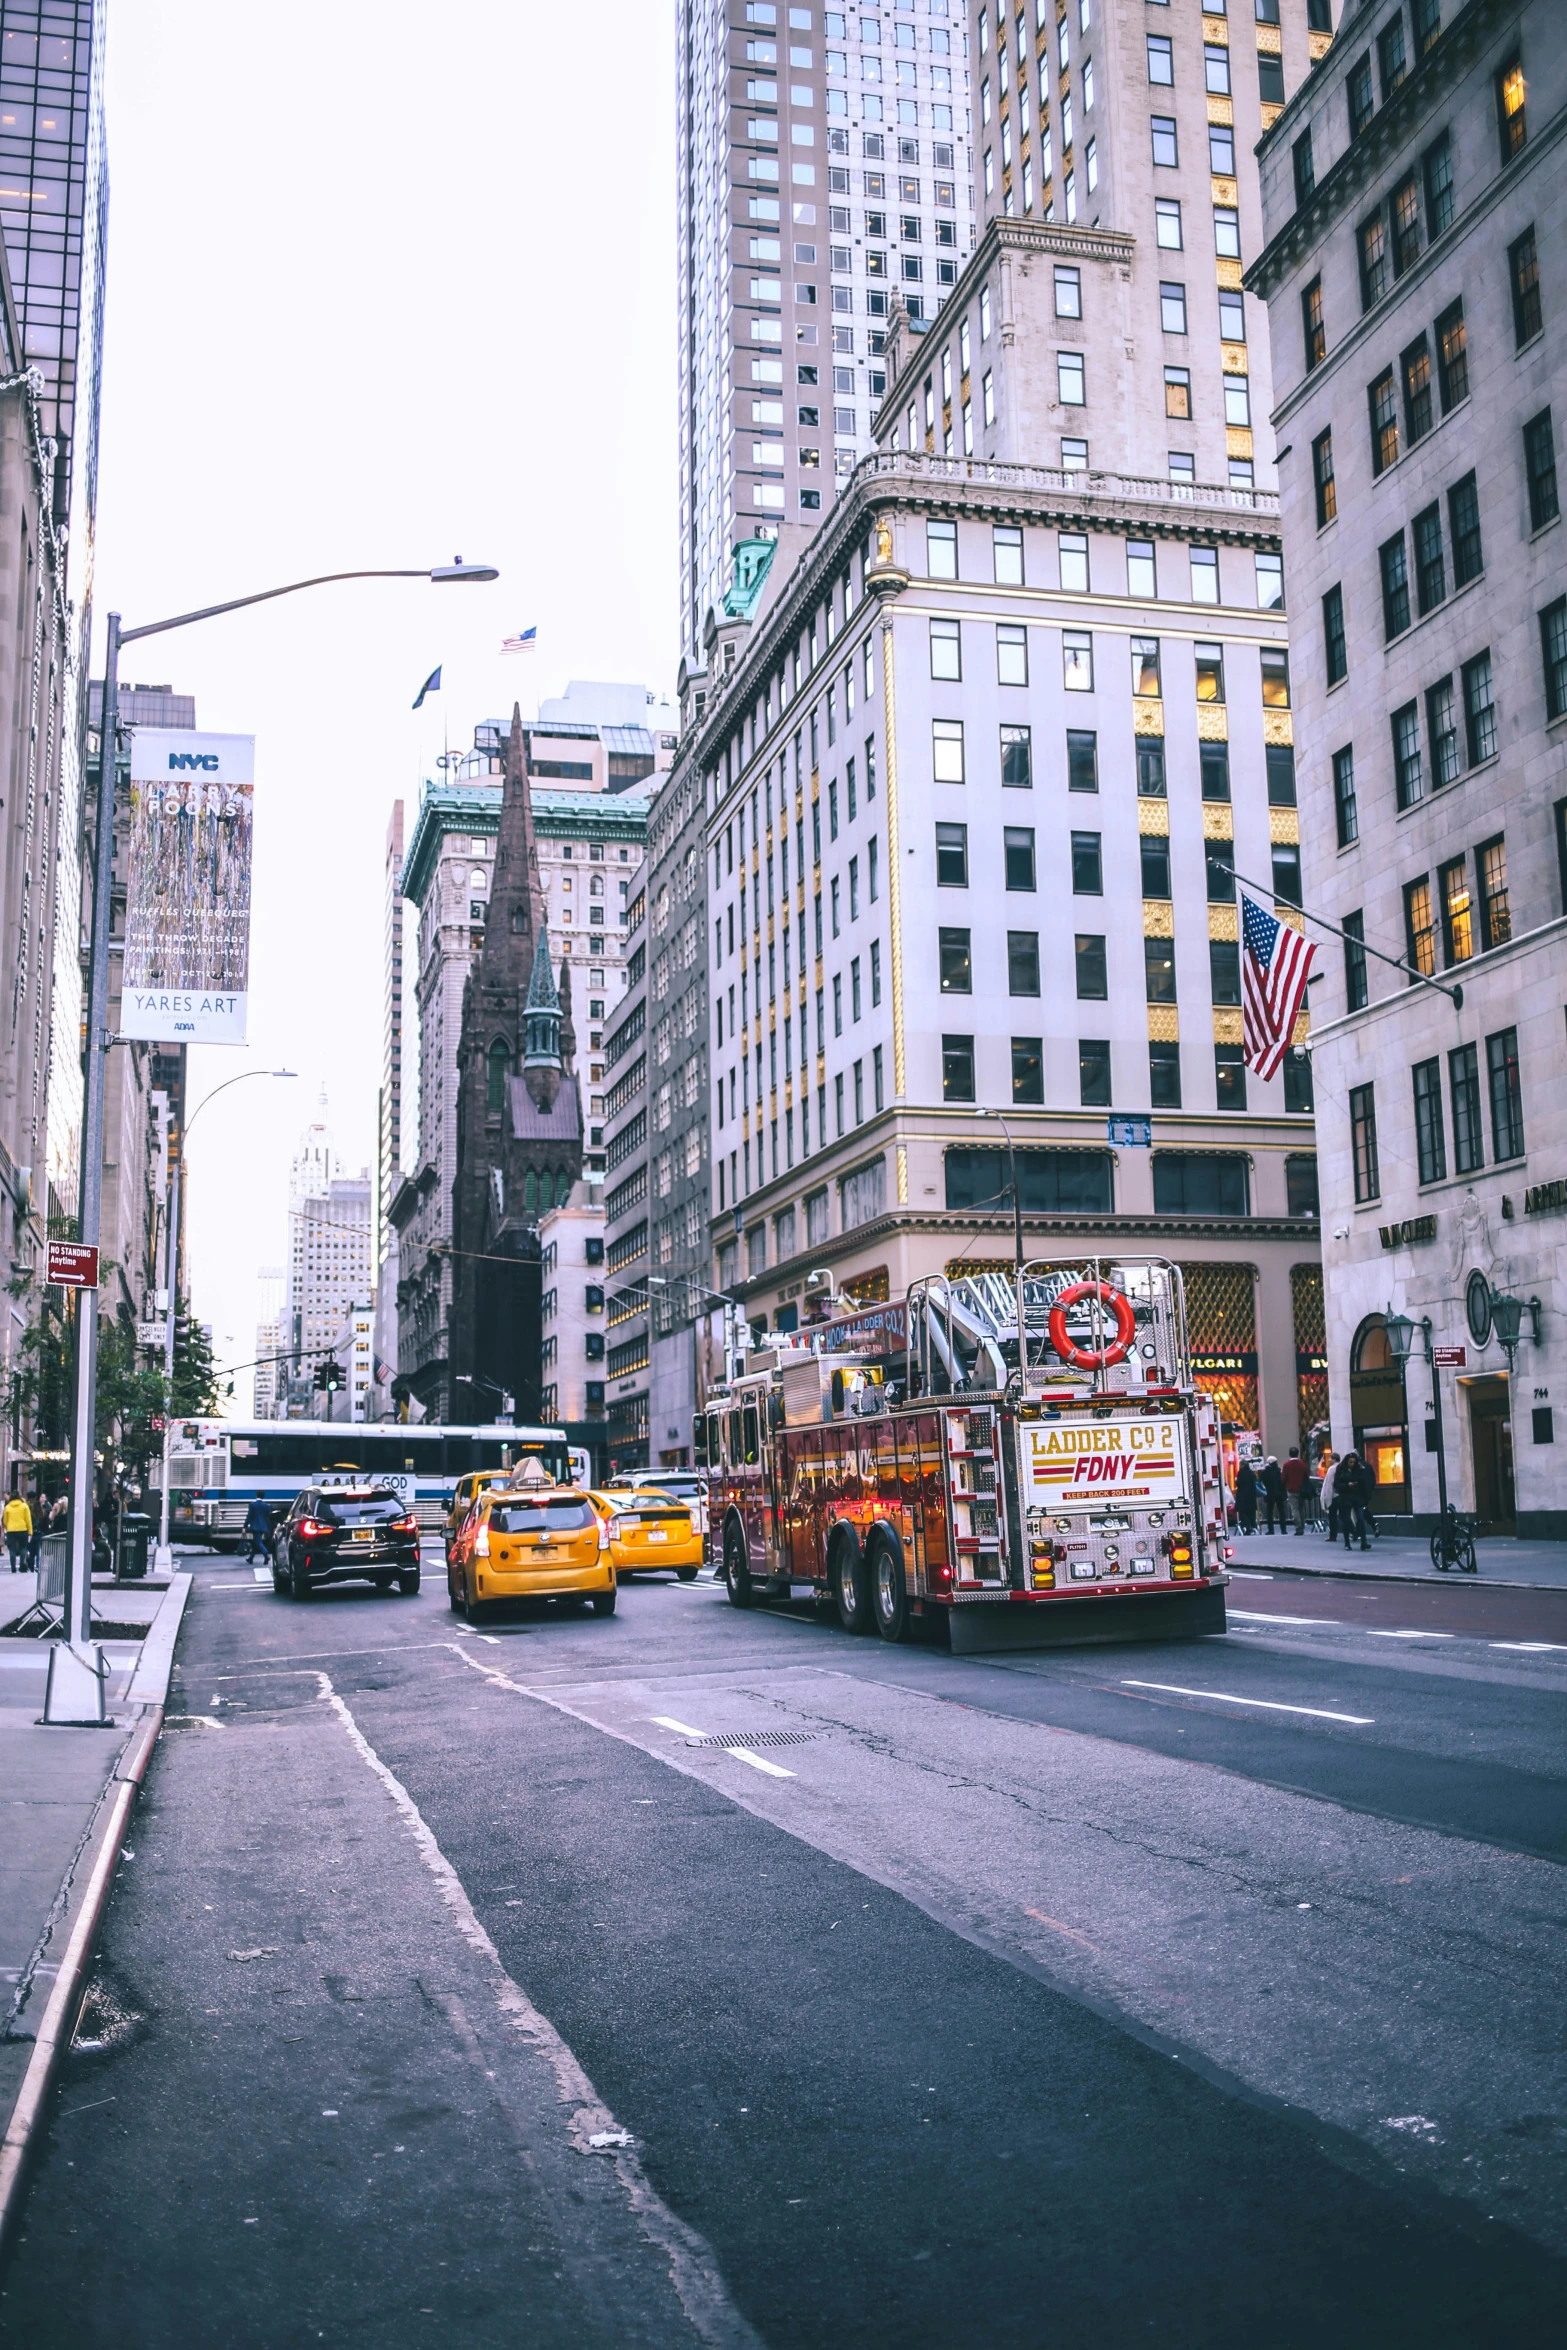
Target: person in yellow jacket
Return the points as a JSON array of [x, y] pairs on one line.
[[18, 1522]]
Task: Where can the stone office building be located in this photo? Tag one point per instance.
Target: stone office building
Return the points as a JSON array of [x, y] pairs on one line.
[[1415, 204]]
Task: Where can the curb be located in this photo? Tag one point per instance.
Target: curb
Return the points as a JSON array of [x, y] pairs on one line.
[[1479, 1582], [148, 1688]]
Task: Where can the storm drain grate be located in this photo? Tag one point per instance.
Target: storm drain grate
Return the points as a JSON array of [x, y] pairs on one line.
[[757, 1738]]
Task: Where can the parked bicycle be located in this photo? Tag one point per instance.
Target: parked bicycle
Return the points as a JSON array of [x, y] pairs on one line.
[[1452, 1545]]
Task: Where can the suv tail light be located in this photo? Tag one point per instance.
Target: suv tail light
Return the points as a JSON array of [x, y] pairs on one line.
[[311, 1529], [408, 1525]]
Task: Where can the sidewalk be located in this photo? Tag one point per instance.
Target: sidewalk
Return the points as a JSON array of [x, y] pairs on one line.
[[65, 1798], [1537, 1565]]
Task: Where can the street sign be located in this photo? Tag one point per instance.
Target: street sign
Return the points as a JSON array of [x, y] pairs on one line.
[[152, 1334], [1455, 1357], [71, 1266], [1133, 1134]]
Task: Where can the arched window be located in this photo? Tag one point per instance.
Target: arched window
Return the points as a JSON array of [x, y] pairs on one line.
[[1371, 1351], [530, 1191], [500, 1070]]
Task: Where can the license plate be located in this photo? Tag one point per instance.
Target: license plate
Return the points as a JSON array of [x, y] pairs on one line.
[[658, 1537], [364, 1533]]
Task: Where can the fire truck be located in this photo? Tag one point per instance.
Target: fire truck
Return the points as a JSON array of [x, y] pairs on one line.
[[1018, 1455]]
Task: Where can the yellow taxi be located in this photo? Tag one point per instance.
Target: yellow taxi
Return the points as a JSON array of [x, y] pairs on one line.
[[531, 1542], [467, 1493], [649, 1531]]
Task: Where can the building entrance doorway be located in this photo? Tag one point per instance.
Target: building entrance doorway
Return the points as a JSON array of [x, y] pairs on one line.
[[1491, 1435]]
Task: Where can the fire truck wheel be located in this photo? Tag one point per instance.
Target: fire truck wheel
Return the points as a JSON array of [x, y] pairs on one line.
[[851, 1585], [891, 1590], [737, 1570]]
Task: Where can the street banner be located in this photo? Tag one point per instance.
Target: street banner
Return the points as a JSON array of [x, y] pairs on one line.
[[71, 1264], [187, 921]]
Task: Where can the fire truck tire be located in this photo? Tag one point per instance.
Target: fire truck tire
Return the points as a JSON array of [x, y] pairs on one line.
[[889, 1589], [851, 1585], [737, 1569]]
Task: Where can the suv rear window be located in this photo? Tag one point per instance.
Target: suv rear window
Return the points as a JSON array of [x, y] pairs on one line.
[[542, 1517], [358, 1509]]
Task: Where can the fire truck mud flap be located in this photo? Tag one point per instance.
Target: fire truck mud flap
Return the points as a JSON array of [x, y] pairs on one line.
[[989, 1626]]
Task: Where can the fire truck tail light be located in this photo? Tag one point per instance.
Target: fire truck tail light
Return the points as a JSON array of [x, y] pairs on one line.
[[1179, 1550]]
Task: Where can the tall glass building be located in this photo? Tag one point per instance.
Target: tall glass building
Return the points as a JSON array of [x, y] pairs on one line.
[[823, 164], [54, 198]]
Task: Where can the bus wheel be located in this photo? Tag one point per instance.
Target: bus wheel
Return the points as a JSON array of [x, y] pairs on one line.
[[852, 1588], [891, 1590], [737, 1569]]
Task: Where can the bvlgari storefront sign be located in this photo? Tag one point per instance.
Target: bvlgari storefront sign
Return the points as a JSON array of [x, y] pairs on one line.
[[1541, 1198]]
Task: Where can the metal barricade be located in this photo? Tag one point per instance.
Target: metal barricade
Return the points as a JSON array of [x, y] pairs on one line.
[[48, 1608]]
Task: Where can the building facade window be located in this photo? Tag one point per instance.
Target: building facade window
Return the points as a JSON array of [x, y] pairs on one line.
[[1463, 1087], [1523, 270], [1357, 988], [1345, 811], [1501, 1061], [1334, 643], [1539, 454], [1430, 1134], [1363, 1143]]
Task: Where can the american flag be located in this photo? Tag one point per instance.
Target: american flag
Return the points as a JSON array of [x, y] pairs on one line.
[[523, 642], [1275, 966]]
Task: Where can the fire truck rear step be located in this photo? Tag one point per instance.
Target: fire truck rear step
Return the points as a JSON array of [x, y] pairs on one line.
[[1086, 1623]]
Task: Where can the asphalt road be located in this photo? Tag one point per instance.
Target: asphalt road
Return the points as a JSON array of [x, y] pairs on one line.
[[1204, 1994]]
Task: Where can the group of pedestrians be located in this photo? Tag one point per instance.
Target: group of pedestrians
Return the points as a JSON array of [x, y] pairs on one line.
[[1289, 1499], [25, 1531]]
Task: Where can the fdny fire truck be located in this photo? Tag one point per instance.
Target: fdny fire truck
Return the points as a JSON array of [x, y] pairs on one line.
[[1019, 1455]]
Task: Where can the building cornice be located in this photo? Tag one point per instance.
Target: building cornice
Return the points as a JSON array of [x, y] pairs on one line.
[[949, 486], [1387, 133]]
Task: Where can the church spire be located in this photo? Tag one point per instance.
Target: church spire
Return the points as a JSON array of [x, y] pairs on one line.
[[541, 1020]]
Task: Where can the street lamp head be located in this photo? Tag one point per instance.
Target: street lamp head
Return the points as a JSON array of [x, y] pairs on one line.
[[444, 573], [1400, 1331], [1507, 1315]]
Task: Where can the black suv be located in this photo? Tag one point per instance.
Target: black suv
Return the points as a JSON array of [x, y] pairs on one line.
[[352, 1534]]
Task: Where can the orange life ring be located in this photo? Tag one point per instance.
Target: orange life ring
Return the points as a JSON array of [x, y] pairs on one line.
[[1085, 1358]]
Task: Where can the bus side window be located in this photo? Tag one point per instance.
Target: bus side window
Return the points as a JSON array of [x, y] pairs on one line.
[[753, 1449]]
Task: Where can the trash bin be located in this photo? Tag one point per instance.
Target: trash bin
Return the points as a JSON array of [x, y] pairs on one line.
[[136, 1533]]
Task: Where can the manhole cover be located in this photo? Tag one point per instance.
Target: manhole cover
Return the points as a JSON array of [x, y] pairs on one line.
[[757, 1738]]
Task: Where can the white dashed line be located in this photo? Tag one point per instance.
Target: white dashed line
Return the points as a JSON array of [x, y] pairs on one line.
[[1532, 1647], [1374, 1635], [1270, 1705], [743, 1754]]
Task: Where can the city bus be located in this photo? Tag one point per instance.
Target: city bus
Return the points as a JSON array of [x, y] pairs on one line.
[[217, 1467]]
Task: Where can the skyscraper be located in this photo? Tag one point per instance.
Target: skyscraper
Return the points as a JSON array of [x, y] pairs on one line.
[[54, 196], [785, 113]]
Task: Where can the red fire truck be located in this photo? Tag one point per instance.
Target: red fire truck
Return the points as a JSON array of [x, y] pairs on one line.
[[1020, 1455]]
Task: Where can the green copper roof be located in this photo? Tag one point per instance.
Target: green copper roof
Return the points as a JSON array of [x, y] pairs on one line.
[[753, 561], [475, 808], [542, 996]]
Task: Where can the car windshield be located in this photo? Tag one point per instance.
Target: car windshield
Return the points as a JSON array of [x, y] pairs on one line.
[[358, 1509], [566, 1516]]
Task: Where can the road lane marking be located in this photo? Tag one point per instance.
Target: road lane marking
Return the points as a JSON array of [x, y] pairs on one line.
[[1532, 1647], [758, 1762], [693, 2267], [1271, 1705], [1375, 1635], [743, 1754], [1251, 1615]]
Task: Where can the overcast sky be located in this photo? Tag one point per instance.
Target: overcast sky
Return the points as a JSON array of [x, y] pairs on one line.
[[386, 284]]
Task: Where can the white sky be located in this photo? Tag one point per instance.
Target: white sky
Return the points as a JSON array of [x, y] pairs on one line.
[[386, 284]]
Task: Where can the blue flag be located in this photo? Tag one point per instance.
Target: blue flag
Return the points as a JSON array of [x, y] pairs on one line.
[[431, 685]]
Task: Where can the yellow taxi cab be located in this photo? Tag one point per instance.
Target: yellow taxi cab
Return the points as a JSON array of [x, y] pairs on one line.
[[467, 1493], [649, 1531], [531, 1542]]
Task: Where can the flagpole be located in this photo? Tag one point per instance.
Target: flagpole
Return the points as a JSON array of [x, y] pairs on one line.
[[1422, 978]]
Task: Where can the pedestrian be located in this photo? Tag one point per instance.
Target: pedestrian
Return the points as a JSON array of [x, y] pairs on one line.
[[1328, 1500], [258, 1530], [18, 1519], [1273, 1492], [40, 1522], [1352, 1487], [1246, 1497], [1293, 1478]]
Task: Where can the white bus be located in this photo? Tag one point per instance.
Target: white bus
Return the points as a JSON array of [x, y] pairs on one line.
[[217, 1467]]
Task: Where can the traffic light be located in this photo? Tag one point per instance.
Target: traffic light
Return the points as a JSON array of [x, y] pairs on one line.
[[329, 1378]]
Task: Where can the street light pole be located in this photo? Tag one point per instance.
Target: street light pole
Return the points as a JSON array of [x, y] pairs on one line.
[[77, 1673]]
